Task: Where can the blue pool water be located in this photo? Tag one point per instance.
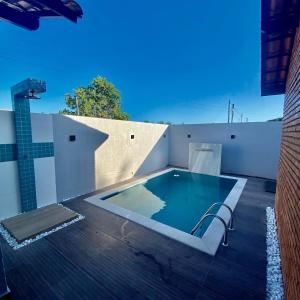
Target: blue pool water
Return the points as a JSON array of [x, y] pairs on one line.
[[176, 198]]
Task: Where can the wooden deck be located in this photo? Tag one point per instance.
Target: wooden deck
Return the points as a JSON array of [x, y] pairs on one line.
[[107, 257], [30, 224]]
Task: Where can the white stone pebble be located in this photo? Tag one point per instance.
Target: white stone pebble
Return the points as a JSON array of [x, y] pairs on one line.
[[274, 276]]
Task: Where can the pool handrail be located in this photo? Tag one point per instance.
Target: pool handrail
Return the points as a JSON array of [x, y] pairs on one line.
[[230, 224], [225, 239]]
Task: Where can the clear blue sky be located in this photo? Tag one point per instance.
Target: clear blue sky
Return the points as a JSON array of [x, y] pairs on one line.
[[172, 60]]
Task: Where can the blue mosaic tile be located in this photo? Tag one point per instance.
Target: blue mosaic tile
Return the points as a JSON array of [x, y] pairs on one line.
[[8, 152], [25, 153], [42, 150], [27, 184]]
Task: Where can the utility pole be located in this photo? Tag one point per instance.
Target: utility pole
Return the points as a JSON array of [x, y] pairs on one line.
[[241, 118], [228, 114], [77, 105], [247, 120], [232, 112]]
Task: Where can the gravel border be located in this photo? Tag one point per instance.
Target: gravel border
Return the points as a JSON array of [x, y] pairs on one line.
[[15, 245], [274, 276]]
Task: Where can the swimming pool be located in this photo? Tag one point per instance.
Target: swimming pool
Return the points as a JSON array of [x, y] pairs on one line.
[[176, 198], [172, 202]]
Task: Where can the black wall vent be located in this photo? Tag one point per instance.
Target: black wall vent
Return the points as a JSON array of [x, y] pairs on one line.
[[72, 138]]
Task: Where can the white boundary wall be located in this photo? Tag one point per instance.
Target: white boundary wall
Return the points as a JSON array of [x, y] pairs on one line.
[[104, 153], [254, 151]]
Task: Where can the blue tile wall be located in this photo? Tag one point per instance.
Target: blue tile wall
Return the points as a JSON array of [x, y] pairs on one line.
[[24, 150], [27, 184], [25, 153], [43, 150], [8, 152]]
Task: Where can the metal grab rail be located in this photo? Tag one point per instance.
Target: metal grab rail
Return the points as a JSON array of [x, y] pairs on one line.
[[230, 224], [225, 239]]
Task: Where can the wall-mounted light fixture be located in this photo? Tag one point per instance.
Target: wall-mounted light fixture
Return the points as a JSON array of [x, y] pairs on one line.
[[132, 136], [72, 138]]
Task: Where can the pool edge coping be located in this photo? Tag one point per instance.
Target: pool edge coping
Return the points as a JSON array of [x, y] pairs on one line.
[[213, 235]]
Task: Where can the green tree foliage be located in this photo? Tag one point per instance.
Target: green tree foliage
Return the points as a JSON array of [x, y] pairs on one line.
[[100, 99]]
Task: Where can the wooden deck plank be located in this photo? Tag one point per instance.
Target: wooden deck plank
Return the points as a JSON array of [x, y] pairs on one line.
[[43, 274], [113, 252], [30, 224], [191, 264], [108, 257]]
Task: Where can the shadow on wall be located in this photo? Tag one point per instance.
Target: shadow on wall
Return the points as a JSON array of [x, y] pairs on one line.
[[133, 149], [74, 147], [104, 152], [144, 160], [155, 156]]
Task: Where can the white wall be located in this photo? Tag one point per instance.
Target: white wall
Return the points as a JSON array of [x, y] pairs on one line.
[[7, 127], [104, 153], [9, 180], [45, 183], [253, 152], [44, 168], [42, 128], [10, 204]]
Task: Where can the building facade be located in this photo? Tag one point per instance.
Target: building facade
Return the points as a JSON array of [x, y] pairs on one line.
[[281, 75]]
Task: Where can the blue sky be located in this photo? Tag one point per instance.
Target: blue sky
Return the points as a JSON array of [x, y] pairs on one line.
[[177, 61]]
